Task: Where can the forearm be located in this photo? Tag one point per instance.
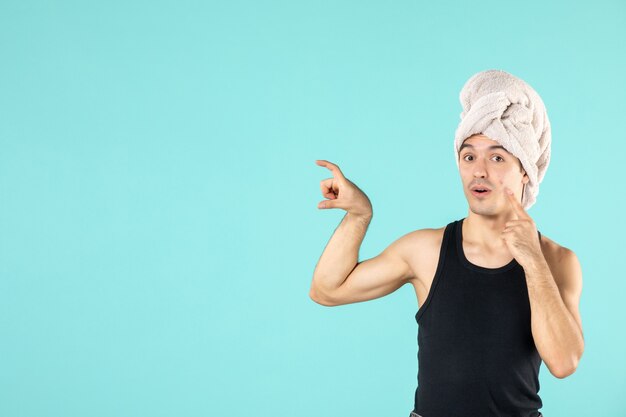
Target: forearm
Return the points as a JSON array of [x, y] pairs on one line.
[[340, 255], [557, 336]]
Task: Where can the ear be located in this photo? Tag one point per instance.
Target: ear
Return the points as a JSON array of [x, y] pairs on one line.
[[525, 178]]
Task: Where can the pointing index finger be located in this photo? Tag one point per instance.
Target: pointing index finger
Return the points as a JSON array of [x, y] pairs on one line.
[[517, 206], [332, 167]]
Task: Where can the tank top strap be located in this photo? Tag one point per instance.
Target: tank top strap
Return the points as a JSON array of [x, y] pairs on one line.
[[447, 254]]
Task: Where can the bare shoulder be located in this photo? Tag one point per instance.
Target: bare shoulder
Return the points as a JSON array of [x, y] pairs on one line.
[[556, 255], [420, 249]]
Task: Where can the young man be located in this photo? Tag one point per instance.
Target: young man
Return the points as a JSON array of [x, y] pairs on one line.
[[496, 296]]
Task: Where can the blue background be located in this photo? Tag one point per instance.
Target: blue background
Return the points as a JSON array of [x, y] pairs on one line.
[[158, 195]]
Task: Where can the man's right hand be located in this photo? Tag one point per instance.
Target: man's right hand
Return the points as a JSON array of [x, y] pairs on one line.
[[343, 193]]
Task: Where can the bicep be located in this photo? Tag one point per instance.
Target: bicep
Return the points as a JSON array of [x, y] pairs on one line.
[[375, 277]]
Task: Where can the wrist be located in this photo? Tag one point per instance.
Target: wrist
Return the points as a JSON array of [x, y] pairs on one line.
[[361, 218]]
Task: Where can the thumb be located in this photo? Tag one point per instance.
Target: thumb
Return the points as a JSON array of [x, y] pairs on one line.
[[328, 204]]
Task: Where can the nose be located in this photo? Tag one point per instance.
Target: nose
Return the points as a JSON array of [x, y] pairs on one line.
[[479, 169]]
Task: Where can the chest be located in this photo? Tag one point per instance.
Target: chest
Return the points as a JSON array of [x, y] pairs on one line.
[[425, 264]]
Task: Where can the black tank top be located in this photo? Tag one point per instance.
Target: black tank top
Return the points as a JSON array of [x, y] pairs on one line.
[[476, 356]]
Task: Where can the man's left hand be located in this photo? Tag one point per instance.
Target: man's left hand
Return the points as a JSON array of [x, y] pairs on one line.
[[520, 234]]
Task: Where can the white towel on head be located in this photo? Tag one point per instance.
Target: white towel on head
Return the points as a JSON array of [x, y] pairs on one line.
[[508, 110]]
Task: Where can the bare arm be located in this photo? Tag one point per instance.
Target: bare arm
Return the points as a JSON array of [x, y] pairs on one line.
[[338, 277], [554, 289], [556, 323], [339, 257]]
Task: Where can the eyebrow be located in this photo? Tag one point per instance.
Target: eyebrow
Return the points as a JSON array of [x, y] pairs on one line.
[[467, 145]]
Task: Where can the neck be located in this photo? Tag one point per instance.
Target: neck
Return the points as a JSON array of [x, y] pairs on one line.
[[485, 230]]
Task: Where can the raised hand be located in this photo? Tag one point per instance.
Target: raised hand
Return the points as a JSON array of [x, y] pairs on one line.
[[343, 193], [520, 234]]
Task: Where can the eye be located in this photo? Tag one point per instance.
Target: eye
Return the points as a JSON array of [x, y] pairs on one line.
[[495, 156]]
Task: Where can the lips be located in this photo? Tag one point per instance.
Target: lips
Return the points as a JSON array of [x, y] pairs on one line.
[[480, 187], [481, 191]]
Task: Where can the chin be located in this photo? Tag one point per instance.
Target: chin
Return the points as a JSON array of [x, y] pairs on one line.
[[484, 210]]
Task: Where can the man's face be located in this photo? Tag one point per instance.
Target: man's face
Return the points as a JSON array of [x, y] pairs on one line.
[[493, 168]]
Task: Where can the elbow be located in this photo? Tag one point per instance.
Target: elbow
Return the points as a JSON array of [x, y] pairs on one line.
[[565, 370], [567, 367], [319, 298], [563, 373]]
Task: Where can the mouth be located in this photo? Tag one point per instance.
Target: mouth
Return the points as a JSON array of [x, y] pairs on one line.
[[481, 193]]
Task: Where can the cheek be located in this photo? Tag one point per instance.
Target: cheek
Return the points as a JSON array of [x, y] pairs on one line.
[[505, 181], [508, 179]]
